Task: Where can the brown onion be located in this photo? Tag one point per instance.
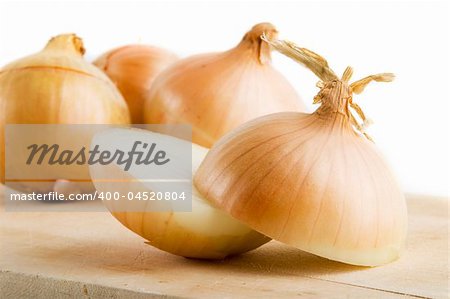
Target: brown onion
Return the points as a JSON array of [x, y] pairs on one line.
[[314, 181], [216, 92], [133, 69], [57, 86]]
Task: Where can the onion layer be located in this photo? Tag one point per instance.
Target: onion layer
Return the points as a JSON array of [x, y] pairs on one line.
[[205, 233]]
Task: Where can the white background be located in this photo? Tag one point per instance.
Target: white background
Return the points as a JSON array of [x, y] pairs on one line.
[[409, 38]]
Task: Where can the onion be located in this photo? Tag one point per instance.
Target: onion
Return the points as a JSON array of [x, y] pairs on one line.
[[206, 232], [133, 68], [314, 181], [216, 92], [57, 86]]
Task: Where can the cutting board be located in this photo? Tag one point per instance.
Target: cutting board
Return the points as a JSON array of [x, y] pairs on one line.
[[91, 255]]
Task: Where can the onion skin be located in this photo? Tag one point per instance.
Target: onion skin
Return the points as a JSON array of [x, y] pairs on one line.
[[311, 180], [204, 233], [57, 86], [133, 69], [216, 92], [294, 178]]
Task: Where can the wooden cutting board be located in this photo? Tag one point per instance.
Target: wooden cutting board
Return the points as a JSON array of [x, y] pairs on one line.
[[91, 255]]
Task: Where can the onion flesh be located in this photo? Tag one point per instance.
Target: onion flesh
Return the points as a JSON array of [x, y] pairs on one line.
[[205, 233]]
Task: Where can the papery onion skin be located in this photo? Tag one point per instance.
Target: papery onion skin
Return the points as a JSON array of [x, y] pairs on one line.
[[204, 233], [292, 177], [57, 86], [133, 69], [216, 92], [311, 181]]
